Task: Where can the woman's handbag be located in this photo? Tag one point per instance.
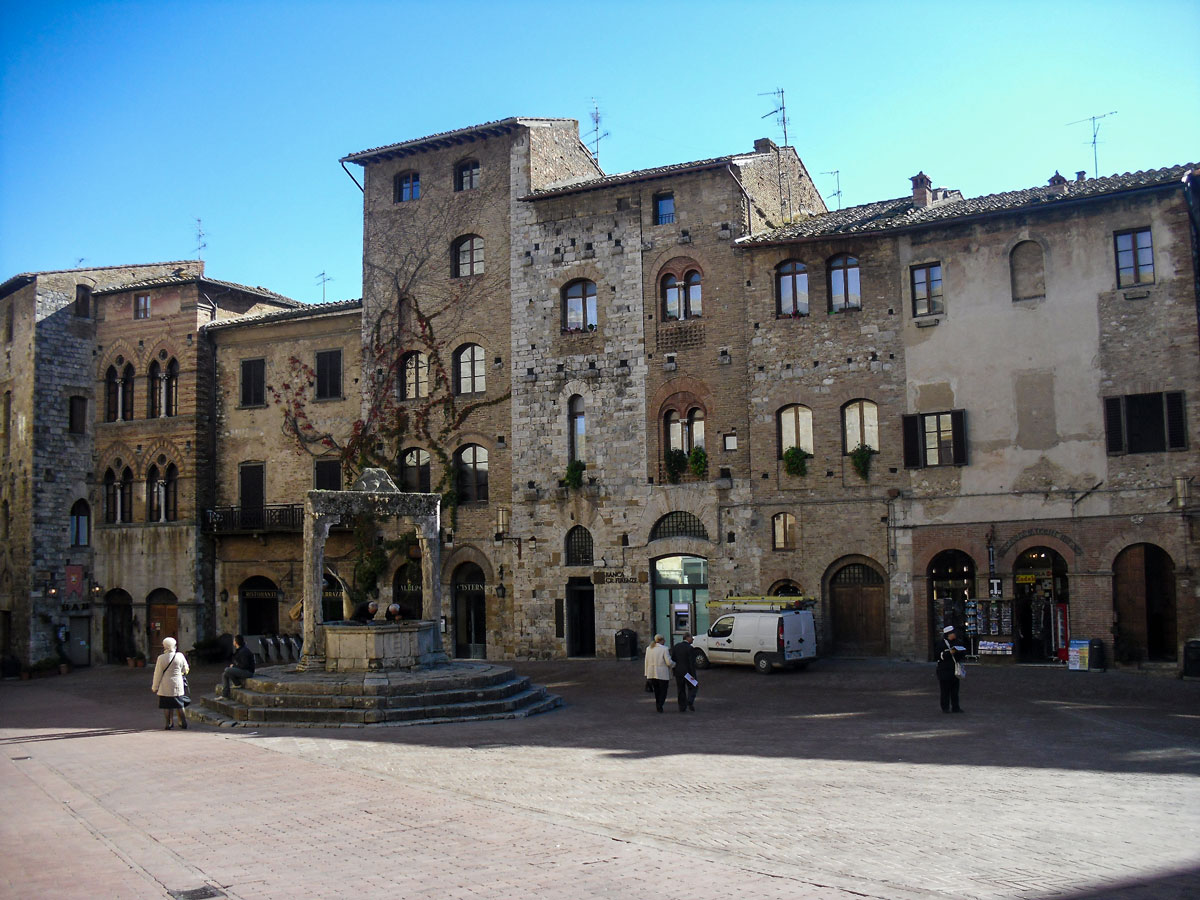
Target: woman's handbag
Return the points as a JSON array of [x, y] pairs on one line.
[[186, 697], [959, 670]]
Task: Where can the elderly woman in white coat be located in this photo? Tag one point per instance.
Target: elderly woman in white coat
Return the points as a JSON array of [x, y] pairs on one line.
[[658, 669], [169, 670]]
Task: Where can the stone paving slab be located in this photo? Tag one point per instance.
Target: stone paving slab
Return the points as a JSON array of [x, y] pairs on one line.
[[843, 781]]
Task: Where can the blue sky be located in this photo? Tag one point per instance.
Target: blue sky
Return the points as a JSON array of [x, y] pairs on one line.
[[121, 123]]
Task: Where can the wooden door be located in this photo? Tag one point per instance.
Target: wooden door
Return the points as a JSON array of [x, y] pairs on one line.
[[1129, 603], [857, 619], [163, 622]]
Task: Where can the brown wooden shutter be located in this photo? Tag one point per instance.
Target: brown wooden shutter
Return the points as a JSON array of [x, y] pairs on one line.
[[912, 441], [1176, 421], [958, 427], [1113, 425]]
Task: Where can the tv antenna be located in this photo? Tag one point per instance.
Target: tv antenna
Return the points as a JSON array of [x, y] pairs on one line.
[[324, 279], [595, 135], [780, 111], [1095, 120], [837, 174], [200, 243]]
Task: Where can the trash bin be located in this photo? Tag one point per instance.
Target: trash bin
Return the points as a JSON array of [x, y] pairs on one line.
[[1096, 655], [626, 644], [1191, 659]]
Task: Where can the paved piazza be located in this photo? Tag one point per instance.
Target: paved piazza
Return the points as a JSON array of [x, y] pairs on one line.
[[844, 781]]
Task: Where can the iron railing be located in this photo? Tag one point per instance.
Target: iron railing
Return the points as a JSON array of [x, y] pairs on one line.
[[275, 517]]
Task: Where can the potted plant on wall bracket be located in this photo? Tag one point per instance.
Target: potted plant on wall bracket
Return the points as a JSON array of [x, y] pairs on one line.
[[860, 458], [795, 461], [574, 477], [698, 462], [676, 464]]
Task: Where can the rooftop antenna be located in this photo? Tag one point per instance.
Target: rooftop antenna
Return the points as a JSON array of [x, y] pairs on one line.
[[837, 174], [1095, 120], [780, 111], [324, 279], [785, 190], [200, 244], [595, 135]]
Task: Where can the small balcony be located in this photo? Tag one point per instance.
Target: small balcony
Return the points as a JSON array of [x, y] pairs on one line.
[[247, 519]]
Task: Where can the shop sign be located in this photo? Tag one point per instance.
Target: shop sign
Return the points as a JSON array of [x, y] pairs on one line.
[[260, 594], [1077, 655], [994, 589]]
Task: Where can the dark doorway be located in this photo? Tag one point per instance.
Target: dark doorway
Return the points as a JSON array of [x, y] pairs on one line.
[[1040, 598], [258, 599], [332, 602], [118, 633], [162, 619], [252, 493], [951, 577], [470, 613], [1144, 603], [856, 601], [406, 590], [581, 618]]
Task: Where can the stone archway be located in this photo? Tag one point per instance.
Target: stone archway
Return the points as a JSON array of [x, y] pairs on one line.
[[858, 610], [1144, 605]]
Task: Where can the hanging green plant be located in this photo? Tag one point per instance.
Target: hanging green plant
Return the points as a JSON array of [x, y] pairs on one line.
[[698, 462], [372, 556], [677, 463], [795, 461], [574, 477], [860, 458]]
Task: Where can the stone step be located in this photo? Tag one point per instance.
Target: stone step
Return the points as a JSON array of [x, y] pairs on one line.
[[284, 680], [220, 712], [251, 696]]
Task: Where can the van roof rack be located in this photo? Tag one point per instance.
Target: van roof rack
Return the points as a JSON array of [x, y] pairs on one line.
[[761, 603]]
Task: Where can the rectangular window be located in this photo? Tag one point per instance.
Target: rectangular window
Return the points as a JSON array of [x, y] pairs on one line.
[[1135, 257], [927, 290], [664, 209], [141, 306], [327, 475], [329, 375], [77, 415], [83, 301], [254, 382], [935, 439], [1145, 423]]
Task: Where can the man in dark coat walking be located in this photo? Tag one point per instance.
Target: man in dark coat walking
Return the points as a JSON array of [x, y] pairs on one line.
[[684, 656]]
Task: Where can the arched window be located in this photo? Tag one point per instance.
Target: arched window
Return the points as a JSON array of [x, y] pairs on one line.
[[118, 496], [680, 289], [678, 524], [414, 471], [466, 175], [579, 306], [1028, 270], [467, 256], [791, 288], [844, 291], [694, 435], [471, 469], [860, 425], [154, 393], [784, 532], [112, 395], [171, 389], [693, 306], [406, 186], [171, 494], [576, 429], [154, 498], [673, 429], [795, 429], [671, 299], [126, 392], [414, 376], [683, 428], [578, 547], [81, 524], [468, 370]]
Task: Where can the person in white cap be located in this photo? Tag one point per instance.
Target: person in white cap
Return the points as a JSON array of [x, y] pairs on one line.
[[947, 670]]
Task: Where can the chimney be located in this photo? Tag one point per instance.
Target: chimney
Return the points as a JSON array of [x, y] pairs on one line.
[[1058, 183], [1079, 176], [765, 145], [922, 195]]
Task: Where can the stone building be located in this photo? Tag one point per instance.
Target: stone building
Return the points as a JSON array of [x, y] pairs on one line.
[[153, 455], [287, 391], [48, 579]]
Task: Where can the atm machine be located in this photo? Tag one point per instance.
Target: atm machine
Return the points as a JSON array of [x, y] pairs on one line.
[[683, 619]]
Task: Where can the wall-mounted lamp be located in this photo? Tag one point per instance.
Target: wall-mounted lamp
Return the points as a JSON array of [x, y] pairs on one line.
[[224, 595]]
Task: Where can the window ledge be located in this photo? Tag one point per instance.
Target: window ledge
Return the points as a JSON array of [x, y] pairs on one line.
[[1137, 294], [784, 317], [926, 323]]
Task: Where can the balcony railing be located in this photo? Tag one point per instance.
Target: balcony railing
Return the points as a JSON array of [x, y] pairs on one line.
[[234, 519]]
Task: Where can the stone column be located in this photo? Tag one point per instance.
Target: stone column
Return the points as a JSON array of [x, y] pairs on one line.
[[316, 531], [431, 574]]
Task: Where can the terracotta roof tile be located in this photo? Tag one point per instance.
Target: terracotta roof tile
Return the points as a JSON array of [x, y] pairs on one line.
[[299, 312]]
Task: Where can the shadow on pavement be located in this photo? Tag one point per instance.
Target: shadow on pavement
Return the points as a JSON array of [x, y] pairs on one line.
[[1170, 886], [838, 709]]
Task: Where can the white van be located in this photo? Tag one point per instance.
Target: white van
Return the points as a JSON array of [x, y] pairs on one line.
[[765, 639]]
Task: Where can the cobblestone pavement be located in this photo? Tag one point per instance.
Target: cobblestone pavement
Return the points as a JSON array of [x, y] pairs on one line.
[[844, 781]]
